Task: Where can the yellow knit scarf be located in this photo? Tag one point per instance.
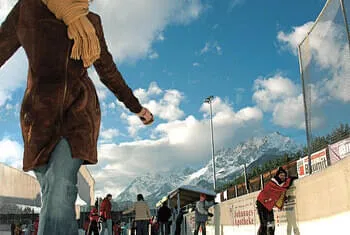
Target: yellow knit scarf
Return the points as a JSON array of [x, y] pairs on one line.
[[74, 14]]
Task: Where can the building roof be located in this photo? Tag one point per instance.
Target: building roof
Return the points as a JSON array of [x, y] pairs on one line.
[[188, 194]]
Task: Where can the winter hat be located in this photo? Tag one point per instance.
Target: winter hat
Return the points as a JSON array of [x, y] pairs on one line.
[[281, 170]]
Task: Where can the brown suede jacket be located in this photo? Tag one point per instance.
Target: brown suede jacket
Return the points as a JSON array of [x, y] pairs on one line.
[[60, 99]]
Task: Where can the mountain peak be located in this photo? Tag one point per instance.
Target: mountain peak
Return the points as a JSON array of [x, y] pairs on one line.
[[229, 162]]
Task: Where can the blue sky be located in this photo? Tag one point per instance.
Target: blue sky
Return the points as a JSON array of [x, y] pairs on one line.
[[174, 54]]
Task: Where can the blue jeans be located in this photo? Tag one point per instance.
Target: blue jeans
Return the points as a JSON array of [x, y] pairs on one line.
[[58, 182], [107, 225]]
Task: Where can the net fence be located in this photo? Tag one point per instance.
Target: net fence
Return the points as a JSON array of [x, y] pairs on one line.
[[324, 58]]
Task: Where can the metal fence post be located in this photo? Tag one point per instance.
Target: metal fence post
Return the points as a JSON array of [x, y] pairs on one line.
[[345, 21], [308, 137]]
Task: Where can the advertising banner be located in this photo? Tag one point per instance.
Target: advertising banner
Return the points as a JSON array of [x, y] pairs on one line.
[[303, 167], [319, 160], [339, 150]]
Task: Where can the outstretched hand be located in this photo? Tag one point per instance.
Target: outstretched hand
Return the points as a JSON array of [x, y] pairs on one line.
[[146, 116]]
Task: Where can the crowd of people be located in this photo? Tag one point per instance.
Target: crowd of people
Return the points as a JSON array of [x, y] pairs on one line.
[[100, 219]]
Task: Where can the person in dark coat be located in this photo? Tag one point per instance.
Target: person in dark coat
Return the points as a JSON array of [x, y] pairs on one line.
[[60, 112], [179, 220], [163, 215], [272, 195]]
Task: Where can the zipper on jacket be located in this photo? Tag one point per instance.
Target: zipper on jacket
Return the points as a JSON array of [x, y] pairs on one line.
[[65, 88]]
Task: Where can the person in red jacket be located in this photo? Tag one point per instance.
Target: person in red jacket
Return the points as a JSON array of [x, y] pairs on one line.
[[93, 217], [117, 229], [272, 195], [36, 226], [106, 214]]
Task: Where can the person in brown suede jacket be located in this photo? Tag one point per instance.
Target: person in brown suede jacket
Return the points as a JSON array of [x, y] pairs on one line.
[[60, 112]]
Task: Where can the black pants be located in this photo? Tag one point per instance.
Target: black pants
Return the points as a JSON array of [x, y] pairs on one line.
[[198, 225], [267, 221], [164, 228], [142, 227], [178, 229], [93, 228]]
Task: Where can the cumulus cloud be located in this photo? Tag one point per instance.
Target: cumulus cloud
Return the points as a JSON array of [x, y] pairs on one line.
[[325, 56], [164, 104], [176, 143], [109, 134], [145, 95], [292, 39], [134, 124], [283, 98], [168, 107], [272, 90], [131, 29], [11, 153]]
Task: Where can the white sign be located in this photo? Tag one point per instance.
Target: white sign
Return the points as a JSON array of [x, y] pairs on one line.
[[319, 160], [339, 150]]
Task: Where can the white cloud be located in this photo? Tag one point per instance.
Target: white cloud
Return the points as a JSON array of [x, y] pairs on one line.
[[293, 39], [325, 56], [205, 49], [167, 108], [212, 47], [163, 104], [161, 37], [283, 98], [196, 64], [134, 123], [109, 134], [101, 89], [153, 55], [11, 153], [272, 90], [13, 76], [145, 95], [5, 7], [289, 113], [176, 143], [133, 30], [235, 3]]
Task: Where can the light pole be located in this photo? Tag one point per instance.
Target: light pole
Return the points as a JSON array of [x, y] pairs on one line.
[[209, 101]]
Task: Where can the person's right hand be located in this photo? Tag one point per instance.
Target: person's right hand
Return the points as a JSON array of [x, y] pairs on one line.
[[146, 116]]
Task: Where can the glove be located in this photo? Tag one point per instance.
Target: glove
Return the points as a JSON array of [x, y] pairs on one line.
[[210, 214]]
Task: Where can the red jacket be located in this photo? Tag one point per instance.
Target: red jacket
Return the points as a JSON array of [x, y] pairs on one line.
[[272, 192], [117, 229], [36, 226], [105, 209], [93, 215]]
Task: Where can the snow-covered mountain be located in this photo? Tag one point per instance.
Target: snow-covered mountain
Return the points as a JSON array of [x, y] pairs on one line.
[[228, 164], [154, 185]]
